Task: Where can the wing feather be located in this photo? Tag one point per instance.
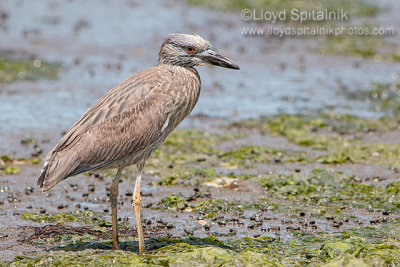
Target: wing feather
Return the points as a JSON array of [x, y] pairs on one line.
[[127, 119]]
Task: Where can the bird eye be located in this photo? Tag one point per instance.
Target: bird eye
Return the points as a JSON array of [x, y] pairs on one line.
[[190, 49]]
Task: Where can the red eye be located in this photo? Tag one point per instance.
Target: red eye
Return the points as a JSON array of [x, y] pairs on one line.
[[190, 49]]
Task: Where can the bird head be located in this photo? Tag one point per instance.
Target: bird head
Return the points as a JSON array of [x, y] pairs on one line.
[[189, 50]]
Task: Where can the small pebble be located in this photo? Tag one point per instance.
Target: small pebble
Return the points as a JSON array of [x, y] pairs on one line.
[[146, 194], [161, 221], [91, 188], [74, 187], [207, 194], [188, 231], [336, 224], [28, 190]]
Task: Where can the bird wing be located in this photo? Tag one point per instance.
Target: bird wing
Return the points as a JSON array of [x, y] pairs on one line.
[[127, 119]]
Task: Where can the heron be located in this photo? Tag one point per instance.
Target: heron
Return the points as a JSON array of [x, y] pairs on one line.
[[131, 121]]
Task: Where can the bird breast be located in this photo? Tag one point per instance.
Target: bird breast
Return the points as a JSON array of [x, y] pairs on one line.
[[184, 92]]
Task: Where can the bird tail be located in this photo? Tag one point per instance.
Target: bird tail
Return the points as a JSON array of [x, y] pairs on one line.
[[55, 171], [42, 176]]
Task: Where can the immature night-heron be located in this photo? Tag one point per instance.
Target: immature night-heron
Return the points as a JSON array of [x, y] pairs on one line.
[[129, 123]]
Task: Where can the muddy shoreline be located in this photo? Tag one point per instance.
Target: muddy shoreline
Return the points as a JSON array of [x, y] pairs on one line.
[[245, 178]]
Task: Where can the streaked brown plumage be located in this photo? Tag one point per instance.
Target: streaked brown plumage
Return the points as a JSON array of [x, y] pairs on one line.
[[135, 111], [129, 123]]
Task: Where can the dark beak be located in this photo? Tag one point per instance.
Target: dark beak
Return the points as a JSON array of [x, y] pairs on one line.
[[213, 58]]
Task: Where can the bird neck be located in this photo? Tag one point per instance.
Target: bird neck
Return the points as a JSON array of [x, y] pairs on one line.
[[175, 68]]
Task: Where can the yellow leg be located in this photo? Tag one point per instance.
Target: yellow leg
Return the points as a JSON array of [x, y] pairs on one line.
[[113, 200], [136, 199]]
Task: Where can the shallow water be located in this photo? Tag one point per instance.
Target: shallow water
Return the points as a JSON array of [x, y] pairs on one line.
[[115, 39], [101, 49]]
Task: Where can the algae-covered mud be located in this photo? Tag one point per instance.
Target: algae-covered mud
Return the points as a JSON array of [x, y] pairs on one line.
[[292, 161]]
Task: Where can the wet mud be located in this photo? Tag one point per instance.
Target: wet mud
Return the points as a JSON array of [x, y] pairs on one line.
[[278, 179]]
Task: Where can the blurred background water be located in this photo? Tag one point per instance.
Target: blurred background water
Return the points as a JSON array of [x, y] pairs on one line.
[[98, 43]]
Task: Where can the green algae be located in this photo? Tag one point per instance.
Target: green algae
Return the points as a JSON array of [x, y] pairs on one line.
[[321, 193], [88, 217], [336, 135], [325, 191], [209, 206], [197, 142], [373, 245], [393, 188], [212, 206], [192, 175], [367, 245], [346, 260], [10, 170], [183, 147], [360, 46], [172, 202], [383, 97], [248, 156], [26, 69], [68, 239], [333, 133], [7, 160], [290, 126]]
